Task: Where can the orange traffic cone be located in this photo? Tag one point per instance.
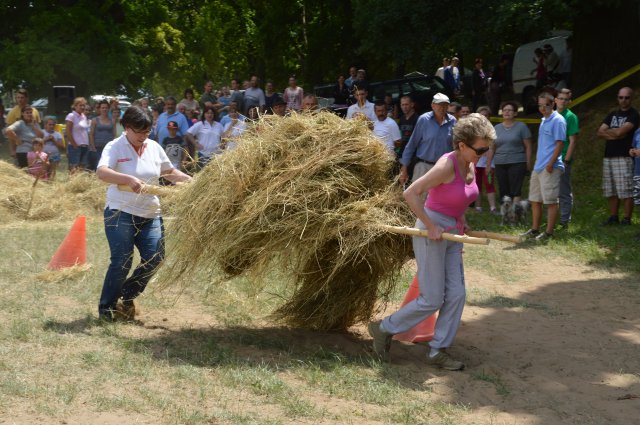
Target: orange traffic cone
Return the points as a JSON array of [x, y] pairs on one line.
[[423, 331], [73, 249]]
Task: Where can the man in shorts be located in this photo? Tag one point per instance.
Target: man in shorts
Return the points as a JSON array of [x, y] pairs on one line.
[[544, 186], [617, 166]]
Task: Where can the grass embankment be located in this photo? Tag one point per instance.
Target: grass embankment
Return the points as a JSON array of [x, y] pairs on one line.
[[586, 241]]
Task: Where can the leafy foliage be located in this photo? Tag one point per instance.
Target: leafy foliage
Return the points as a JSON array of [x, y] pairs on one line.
[[163, 46]]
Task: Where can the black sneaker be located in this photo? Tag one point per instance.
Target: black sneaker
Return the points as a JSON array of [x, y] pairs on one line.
[[544, 237], [612, 220], [530, 234], [625, 221]]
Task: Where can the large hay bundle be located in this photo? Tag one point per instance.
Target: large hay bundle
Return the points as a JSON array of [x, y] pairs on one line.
[[81, 194], [305, 193]]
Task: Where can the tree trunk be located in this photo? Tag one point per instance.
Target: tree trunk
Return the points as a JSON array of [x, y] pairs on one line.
[[606, 42]]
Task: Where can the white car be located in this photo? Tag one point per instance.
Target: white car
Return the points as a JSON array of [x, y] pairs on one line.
[[524, 80]]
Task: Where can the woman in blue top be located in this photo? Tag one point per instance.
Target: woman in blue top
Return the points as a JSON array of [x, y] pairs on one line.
[[103, 130]]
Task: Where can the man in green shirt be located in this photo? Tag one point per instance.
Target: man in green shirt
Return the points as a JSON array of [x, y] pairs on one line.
[[208, 96], [568, 150]]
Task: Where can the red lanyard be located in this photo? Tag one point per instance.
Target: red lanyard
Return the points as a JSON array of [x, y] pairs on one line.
[[139, 150]]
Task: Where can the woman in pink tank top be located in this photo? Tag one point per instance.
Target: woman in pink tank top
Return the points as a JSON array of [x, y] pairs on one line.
[[451, 187]]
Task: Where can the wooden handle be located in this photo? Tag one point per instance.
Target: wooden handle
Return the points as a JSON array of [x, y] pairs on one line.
[[495, 236], [448, 236], [150, 189]]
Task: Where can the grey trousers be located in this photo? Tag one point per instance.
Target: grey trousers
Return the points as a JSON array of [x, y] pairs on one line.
[[566, 195], [441, 282], [420, 169]]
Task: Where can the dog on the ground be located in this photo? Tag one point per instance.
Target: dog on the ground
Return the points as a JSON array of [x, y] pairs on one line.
[[513, 212]]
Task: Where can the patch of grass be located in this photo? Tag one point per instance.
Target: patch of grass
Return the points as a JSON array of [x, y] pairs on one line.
[[353, 380], [108, 402], [420, 413], [501, 388]]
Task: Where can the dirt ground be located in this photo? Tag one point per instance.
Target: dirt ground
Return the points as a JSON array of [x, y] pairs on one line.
[[557, 344], [561, 346]]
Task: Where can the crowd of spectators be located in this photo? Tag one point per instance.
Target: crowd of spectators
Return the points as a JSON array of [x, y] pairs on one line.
[[208, 123]]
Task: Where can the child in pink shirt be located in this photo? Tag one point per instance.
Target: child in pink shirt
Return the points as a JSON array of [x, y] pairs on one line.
[[38, 160]]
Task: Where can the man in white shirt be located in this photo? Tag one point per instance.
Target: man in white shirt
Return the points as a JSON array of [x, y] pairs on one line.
[[386, 128], [362, 107], [440, 71]]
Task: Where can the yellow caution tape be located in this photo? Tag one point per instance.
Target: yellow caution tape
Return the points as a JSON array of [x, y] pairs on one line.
[[605, 85], [524, 120]]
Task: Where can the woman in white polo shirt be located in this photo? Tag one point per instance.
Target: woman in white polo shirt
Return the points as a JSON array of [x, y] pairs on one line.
[[132, 218], [206, 135]]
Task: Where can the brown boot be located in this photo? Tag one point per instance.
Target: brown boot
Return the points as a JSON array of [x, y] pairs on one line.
[[126, 310]]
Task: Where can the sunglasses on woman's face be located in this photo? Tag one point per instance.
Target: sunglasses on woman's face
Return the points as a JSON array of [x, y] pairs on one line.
[[479, 151]]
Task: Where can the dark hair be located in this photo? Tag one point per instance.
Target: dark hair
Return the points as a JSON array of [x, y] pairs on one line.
[[379, 102], [23, 92], [478, 60], [102, 102], [137, 118], [206, 109], [189, 90], [512, 103]]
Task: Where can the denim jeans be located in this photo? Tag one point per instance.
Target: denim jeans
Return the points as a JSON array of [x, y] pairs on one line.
[[124, 232], [77, 155], [566, 195]]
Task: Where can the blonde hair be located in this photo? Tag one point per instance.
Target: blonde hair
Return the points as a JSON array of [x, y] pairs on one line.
[[472, 127], [78, 100]]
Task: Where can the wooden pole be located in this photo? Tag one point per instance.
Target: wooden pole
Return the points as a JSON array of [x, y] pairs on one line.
[[495, 236], [448, 236]]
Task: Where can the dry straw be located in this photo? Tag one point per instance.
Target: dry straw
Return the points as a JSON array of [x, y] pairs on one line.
[[67, 273], [307, 194], [81, 194]]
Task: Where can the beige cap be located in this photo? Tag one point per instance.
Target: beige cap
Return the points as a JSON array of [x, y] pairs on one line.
[[440, 98]]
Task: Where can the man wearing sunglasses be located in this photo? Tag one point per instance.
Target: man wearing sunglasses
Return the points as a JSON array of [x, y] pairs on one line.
[[617, 166], [544, 186]]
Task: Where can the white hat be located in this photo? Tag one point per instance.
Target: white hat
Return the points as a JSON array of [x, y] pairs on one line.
[[440, 98]]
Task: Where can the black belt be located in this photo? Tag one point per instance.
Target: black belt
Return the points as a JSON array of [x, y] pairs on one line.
[[426, 162]]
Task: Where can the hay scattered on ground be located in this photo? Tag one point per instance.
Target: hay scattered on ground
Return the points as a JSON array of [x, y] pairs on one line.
[[307, 194], [81, 194], [68, 273]]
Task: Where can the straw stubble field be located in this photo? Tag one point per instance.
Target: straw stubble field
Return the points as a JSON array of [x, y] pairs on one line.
[[209, 353]]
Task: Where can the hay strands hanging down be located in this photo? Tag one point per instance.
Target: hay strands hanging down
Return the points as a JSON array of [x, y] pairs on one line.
[[308, 194]]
